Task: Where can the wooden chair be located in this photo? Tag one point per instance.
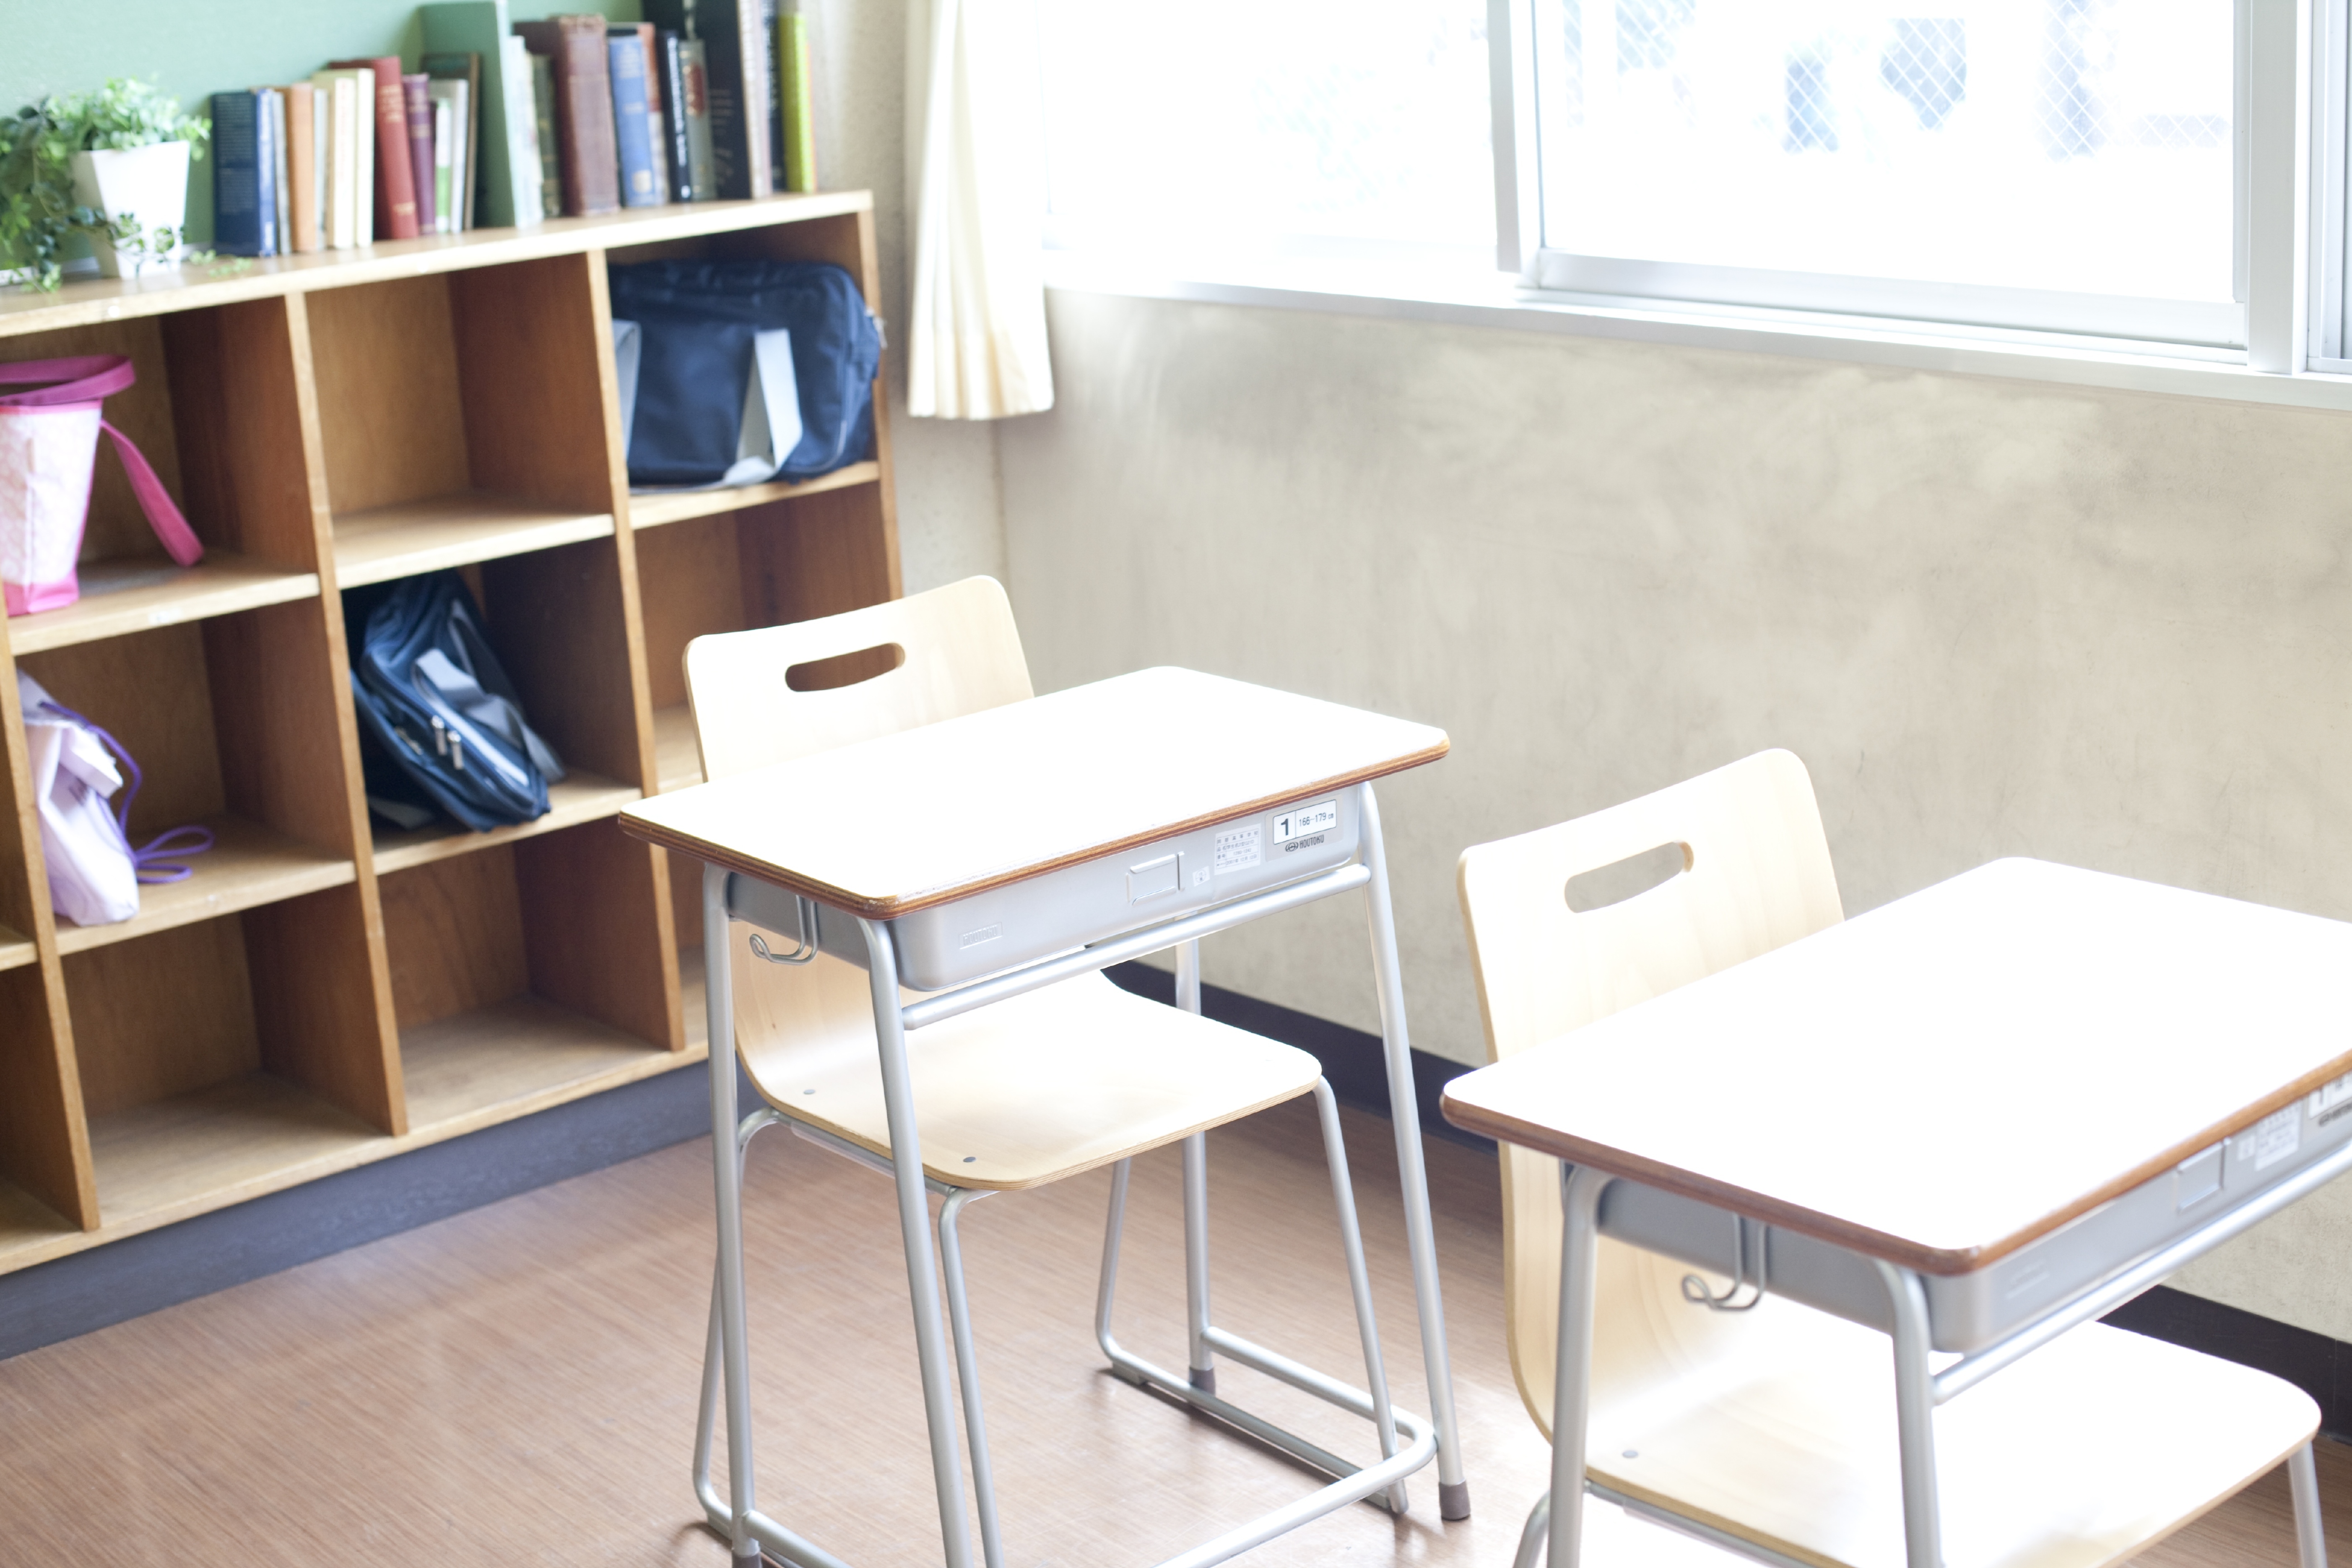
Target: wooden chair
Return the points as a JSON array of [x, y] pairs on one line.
[[1014, 1095], [1772, 1429]]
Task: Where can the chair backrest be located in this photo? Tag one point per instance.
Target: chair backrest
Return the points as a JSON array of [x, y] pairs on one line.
[[957, 652], [1755, 874]]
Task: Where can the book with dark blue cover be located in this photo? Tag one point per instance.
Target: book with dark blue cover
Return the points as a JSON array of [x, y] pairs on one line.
[[632, 128], [245, 176]]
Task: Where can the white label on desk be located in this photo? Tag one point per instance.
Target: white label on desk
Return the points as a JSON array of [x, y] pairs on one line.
[[1302, 821], [2272, 1139], [1238, 849], [2328, 1096]]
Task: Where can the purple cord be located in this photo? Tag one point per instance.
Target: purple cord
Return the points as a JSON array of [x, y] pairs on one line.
[[148, 861]]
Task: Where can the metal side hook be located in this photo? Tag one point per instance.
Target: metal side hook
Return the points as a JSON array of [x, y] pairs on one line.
[[1695, 1289], [803, 917]]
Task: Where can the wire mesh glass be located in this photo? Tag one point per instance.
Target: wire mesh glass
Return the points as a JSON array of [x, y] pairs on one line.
[[1219, 121], [2074, 145]]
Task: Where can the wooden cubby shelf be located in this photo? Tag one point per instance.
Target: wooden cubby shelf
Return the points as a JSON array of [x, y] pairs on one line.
[[651, 509], [580, 797], [139, 594], [390, 542], [322, 991], [248, 866]]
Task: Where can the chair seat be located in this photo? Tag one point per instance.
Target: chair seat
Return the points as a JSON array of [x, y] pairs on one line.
[[1016, 1094], [1777, 1425]]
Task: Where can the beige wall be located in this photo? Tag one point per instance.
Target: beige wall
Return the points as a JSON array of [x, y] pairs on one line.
[[1994, 617]]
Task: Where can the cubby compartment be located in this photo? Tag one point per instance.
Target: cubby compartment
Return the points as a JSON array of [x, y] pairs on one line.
[[558, 622], [232, 723], [526, 972], [229, 1056], [215, 411], [321, 993], [462, 416]]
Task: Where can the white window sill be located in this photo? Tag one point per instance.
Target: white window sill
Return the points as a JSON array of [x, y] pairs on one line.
[[1470, 298]]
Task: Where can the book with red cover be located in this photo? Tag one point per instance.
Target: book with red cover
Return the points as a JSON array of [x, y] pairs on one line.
[[416, 101], [590, 157], [395, 174]]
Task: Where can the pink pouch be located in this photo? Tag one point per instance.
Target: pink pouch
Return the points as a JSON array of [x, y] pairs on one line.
[[49, 453]]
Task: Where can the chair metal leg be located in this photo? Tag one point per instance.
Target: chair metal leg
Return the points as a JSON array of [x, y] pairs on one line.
[[718, 990], [1359, 1282], [1572, 1398], [1915, 1416], [915, 1234], [983, 1482], [1531, 1537], [2310, 1538], [1202, 1363], [1404, 1110]]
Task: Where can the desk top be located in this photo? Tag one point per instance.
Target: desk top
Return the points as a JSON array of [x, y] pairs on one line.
[[931, 815], [1947, 1077]]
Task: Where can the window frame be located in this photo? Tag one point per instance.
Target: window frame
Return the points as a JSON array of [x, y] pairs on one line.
[[2291, 271]]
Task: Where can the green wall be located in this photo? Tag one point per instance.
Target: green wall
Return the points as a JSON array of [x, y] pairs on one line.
[[197, 47]]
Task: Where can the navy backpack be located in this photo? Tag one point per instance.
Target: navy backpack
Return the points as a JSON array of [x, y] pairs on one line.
[[440, 711], [698, 321]]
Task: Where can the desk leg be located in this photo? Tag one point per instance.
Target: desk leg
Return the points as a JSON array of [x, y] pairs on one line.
[[1915, 1416], [915, 1231], [719, 991], [1404, 1109], [1571, 1395], [1203, 1367]]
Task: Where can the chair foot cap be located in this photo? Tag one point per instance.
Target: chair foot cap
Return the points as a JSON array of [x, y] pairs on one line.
[[1454, 1500], [1203, 1378]]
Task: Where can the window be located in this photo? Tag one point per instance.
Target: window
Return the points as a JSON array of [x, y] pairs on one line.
[[1297, 127], [2067, 165]]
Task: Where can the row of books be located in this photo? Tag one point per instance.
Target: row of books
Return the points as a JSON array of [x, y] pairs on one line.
[[506, 124]]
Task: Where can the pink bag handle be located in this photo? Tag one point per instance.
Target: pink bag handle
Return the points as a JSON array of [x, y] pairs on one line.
[[89, 379]]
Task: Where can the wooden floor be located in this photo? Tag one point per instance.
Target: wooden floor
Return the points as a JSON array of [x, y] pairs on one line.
[[516, 1385]]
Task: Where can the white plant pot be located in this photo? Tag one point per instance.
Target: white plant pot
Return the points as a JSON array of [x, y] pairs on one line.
[[148, 184]]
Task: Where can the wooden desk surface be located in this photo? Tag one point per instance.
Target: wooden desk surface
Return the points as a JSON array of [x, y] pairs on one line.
[[936, 814], [1949, 1077]]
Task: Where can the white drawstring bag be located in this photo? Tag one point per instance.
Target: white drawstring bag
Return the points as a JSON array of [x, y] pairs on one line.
[[94, 873]]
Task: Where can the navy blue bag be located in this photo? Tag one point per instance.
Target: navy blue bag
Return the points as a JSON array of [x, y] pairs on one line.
[[432, 697], [697, 320]]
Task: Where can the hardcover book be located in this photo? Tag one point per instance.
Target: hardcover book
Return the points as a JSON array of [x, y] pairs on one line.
[[463, 71], [302, 167], [631, 130], [587, 157], [702, 164], [737, 53], [396, 169], [452, 151], [796, 85], [350, 159], [506, 182], [550, 176], [416, 107], [677, 148], [244, 197]]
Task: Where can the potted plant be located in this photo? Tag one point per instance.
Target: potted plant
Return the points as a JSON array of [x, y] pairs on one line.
[[110, 164]]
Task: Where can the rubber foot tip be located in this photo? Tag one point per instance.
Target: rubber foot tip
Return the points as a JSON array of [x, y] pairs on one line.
[[750, 1558], [1454, 1500], [1204, 1378]]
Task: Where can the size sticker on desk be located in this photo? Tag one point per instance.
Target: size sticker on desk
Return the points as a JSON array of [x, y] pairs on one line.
[[2272, 1139], [1299, 822], [1238, 849]]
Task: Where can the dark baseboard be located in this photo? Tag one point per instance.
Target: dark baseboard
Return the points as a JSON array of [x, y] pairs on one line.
[[139, 1274], [1353, 1061]]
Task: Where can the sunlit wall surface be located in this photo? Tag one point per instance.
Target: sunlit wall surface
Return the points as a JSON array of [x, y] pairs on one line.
[[2077, 145]]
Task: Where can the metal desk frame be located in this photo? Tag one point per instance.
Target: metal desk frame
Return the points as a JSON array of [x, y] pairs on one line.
[[736, 1515], [1918, 1388]]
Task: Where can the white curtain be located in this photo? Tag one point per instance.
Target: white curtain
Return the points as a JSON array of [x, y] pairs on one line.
[[975, 165]]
